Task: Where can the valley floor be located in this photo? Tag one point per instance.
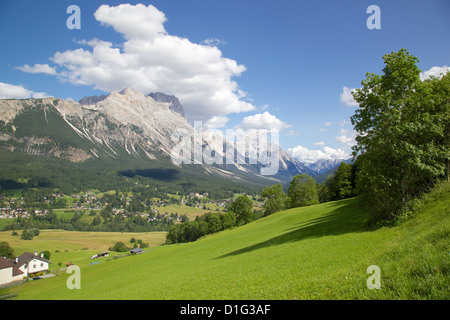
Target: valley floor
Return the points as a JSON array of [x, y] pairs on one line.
[[318, 252]]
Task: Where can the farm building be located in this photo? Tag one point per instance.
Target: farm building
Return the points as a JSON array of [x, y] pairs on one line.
[[100, 255], [136, 251]]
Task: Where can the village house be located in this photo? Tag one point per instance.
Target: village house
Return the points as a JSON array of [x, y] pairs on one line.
[[31, 263]]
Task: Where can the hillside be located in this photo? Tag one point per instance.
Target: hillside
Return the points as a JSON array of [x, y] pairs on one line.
[[317, 252]]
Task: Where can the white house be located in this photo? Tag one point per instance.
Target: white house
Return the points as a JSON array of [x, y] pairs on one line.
[[27, 264], [31, 264]]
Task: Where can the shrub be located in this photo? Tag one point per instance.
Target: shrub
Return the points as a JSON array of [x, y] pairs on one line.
[[119, 247], [6, 250], [26, 235], [47, 254]]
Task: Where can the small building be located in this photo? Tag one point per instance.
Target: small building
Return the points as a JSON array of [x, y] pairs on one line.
[[100, 255], [136, 251]]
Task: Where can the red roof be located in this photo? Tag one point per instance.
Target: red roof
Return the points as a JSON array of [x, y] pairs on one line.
[[4, 263]]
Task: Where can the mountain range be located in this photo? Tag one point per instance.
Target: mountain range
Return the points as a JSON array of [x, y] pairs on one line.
[[124, 125]]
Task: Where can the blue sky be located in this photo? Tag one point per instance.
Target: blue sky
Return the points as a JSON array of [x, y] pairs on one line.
[[282, 64]]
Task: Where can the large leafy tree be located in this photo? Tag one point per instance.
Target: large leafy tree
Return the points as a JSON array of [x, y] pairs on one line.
[[303, 191], [274, 198], [242, 207], [402, 127]]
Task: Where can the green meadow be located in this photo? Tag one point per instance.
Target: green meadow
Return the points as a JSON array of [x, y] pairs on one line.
[[317, 252], [75, 246]]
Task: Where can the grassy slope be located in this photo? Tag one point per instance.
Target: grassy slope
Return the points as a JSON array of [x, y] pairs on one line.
[[75, 246], [318, 252]]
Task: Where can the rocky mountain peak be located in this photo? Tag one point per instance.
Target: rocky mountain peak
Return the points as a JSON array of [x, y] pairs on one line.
[[174, 103], [135, 95], [91, 100], [132, 93]]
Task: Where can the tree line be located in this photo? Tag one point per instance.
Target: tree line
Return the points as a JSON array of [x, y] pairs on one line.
[[303, 190], [239, 212], [113, 223]]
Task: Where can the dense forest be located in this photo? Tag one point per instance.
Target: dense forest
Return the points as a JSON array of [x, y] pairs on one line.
[[24, 171]]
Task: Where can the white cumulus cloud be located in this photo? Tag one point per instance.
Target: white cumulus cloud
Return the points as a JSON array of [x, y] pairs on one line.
[[216, 122], [37, 68], [263, 121], [11, 91], [134, 22], [152, 60]]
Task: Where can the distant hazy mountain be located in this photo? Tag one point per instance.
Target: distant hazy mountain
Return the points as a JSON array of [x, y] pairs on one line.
[[327, 168], [323, 165]]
